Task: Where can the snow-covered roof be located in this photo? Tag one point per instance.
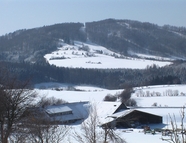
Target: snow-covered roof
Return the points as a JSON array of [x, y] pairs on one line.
[[122, 113], [79, 111], [58, 109], [106, 109], [128, 111]]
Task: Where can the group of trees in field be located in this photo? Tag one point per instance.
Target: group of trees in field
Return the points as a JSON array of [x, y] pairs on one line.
[[168, 92]]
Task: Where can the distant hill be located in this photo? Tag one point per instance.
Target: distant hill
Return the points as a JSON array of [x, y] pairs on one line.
[[32, 44], [131, 37], [122, 38], [127, 37]]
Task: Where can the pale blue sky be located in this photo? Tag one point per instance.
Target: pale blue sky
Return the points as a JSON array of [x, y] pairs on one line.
[[25, 14]]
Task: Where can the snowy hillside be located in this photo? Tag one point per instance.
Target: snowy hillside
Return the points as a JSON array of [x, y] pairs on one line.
[[89, 55]]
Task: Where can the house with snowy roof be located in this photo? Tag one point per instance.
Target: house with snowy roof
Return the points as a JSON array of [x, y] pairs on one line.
[[68, 112], [116, 114]]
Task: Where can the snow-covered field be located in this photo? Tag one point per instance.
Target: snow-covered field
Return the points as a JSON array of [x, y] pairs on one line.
[[162, 95], [89, 55]]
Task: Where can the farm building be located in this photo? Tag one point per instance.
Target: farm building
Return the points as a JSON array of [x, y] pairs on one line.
[[121, 116], [68, 112], [134, 117]]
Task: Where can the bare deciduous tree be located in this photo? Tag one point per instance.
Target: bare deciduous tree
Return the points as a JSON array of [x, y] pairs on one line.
[[91, 132], [15, 97], [14, 101], [89, 128], [44, 101], [177, 135], [109, 136], [16, 124], [125, 97], [37, 127], [47, 133], [126, 94]]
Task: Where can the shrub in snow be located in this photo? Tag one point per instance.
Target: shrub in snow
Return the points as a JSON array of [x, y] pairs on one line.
[[155, 104], [131, 102], [110, 97], [49, 101]]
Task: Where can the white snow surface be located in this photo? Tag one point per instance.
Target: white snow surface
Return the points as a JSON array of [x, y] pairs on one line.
[[164, 99], [90, 55]]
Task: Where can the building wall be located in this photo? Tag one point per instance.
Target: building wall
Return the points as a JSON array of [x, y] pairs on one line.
[[137, 118]]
